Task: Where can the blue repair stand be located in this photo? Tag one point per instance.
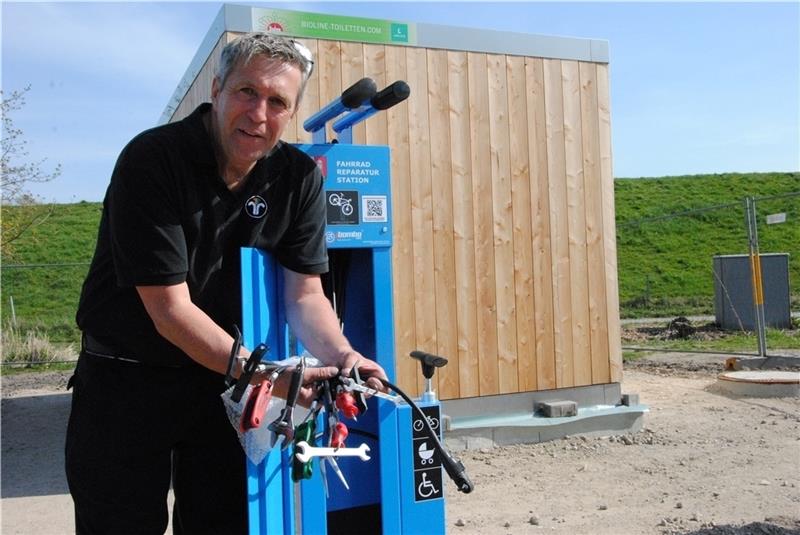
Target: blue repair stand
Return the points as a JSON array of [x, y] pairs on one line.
[[400, 489]]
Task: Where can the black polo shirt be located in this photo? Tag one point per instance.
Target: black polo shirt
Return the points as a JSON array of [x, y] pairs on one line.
[[168, 217]]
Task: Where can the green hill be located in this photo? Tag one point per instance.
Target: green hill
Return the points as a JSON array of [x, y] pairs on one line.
[[668, 230]]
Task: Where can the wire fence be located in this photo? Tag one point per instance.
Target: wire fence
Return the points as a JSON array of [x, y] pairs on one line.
[[679, 273], [691, 270], [39, 301]]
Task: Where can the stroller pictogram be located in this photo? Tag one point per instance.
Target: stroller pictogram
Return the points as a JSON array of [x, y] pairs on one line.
[[425, 455]]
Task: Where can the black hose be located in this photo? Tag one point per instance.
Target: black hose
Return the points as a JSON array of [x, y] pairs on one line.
[[454, 468]]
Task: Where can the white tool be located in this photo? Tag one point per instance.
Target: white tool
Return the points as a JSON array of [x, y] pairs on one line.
[[308, 451], [351, 386]]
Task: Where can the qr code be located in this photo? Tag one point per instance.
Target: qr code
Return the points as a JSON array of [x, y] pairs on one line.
[[374, 208]]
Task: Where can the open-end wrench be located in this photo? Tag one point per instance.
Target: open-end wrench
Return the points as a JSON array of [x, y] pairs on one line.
[[284, 424], [307, 452], [350, 385]]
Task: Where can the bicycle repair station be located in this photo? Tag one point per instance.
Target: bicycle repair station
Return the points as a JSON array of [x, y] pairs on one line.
[[470, 214]]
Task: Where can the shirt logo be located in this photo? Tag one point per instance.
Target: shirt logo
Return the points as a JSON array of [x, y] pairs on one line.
[[256, 207]]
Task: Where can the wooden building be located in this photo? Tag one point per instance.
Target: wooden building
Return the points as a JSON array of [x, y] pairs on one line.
[[504, 255]]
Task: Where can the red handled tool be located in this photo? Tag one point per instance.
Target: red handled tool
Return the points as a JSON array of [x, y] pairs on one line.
[[338, 435], [256, 406], [346, 402]]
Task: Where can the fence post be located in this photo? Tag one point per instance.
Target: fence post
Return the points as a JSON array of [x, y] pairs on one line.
[[755, 273], [13, 312]]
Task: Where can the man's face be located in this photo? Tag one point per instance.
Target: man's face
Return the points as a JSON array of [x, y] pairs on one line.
[[253, 108]]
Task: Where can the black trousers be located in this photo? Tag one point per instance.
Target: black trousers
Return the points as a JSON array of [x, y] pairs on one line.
[[133, 429]]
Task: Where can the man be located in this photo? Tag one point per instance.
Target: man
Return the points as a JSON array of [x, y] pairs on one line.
[[162, 296]]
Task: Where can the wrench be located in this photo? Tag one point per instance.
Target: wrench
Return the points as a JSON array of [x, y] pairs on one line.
[[284, 424], [351, 385], [307, 452]]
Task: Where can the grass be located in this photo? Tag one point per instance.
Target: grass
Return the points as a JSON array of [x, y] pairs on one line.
[[45, 298], [664, 259], [32, 349]]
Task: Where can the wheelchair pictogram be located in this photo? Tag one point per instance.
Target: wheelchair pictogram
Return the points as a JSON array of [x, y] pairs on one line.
[[426, 488]]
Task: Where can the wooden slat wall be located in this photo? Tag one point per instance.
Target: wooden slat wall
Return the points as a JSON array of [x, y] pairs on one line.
[[504, 256]]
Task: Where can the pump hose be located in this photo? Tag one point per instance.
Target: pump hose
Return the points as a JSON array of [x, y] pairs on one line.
[[454, 468]]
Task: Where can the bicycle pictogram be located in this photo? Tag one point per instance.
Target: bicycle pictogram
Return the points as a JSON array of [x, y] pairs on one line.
[[418, 424], [345, 204]]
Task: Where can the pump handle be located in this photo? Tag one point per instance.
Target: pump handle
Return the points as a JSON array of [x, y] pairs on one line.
[[429, 362], [391, 95], [363, 90]]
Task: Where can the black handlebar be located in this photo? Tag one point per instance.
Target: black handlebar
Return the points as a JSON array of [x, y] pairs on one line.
[[391, 95], [363, 90]]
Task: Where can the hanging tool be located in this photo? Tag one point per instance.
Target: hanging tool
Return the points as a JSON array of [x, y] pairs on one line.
[[256, 405], [308, 451], [250, 367], [338, 435], [346, 402], [335, 466], [350, 385], [305, 432], [283, 426]]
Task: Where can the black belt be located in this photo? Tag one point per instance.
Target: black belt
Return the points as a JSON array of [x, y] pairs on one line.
[[96, 348]]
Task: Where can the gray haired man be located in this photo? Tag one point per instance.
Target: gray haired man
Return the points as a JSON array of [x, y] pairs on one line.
[[162, 295]]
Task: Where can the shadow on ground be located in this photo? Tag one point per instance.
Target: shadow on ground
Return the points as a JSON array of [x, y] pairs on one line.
[[33, 430], [754, 528]]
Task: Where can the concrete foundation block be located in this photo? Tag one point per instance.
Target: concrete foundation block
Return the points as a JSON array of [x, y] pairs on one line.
[[557, 409]]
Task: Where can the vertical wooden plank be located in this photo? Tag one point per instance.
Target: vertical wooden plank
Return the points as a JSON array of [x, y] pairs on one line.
[[200, 88], [578, 264], [443, 248], [598, 313], [402, 248], [330, 75], [352, 71], [503, 222], [540, 225], [421, 202], [559, 224], [311, 99], [521, 202], [609, 225], [463, 225], [484, 237], [375, 68]]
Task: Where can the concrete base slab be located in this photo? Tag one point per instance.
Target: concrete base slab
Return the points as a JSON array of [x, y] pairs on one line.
[[502, 429], [762, 384]]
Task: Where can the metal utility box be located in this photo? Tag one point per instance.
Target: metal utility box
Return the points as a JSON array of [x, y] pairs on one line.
[[733, 291]]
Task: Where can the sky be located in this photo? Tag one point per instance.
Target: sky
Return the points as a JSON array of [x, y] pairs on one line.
[[695, 87]]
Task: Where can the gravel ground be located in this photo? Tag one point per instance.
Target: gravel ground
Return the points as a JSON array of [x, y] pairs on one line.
[[706, 462]]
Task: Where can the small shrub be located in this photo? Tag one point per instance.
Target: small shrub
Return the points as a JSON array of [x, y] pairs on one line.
[[32, 348]]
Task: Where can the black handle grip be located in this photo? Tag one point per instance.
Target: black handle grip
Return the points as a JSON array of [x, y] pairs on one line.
[[294, 386], [356, 94], [391, 95], [247, 372]]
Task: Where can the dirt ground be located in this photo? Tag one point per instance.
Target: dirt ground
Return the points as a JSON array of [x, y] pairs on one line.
[[705, 463]]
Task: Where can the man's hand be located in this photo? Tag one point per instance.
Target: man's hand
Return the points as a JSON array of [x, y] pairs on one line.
[[308, 392], [369, 370]]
